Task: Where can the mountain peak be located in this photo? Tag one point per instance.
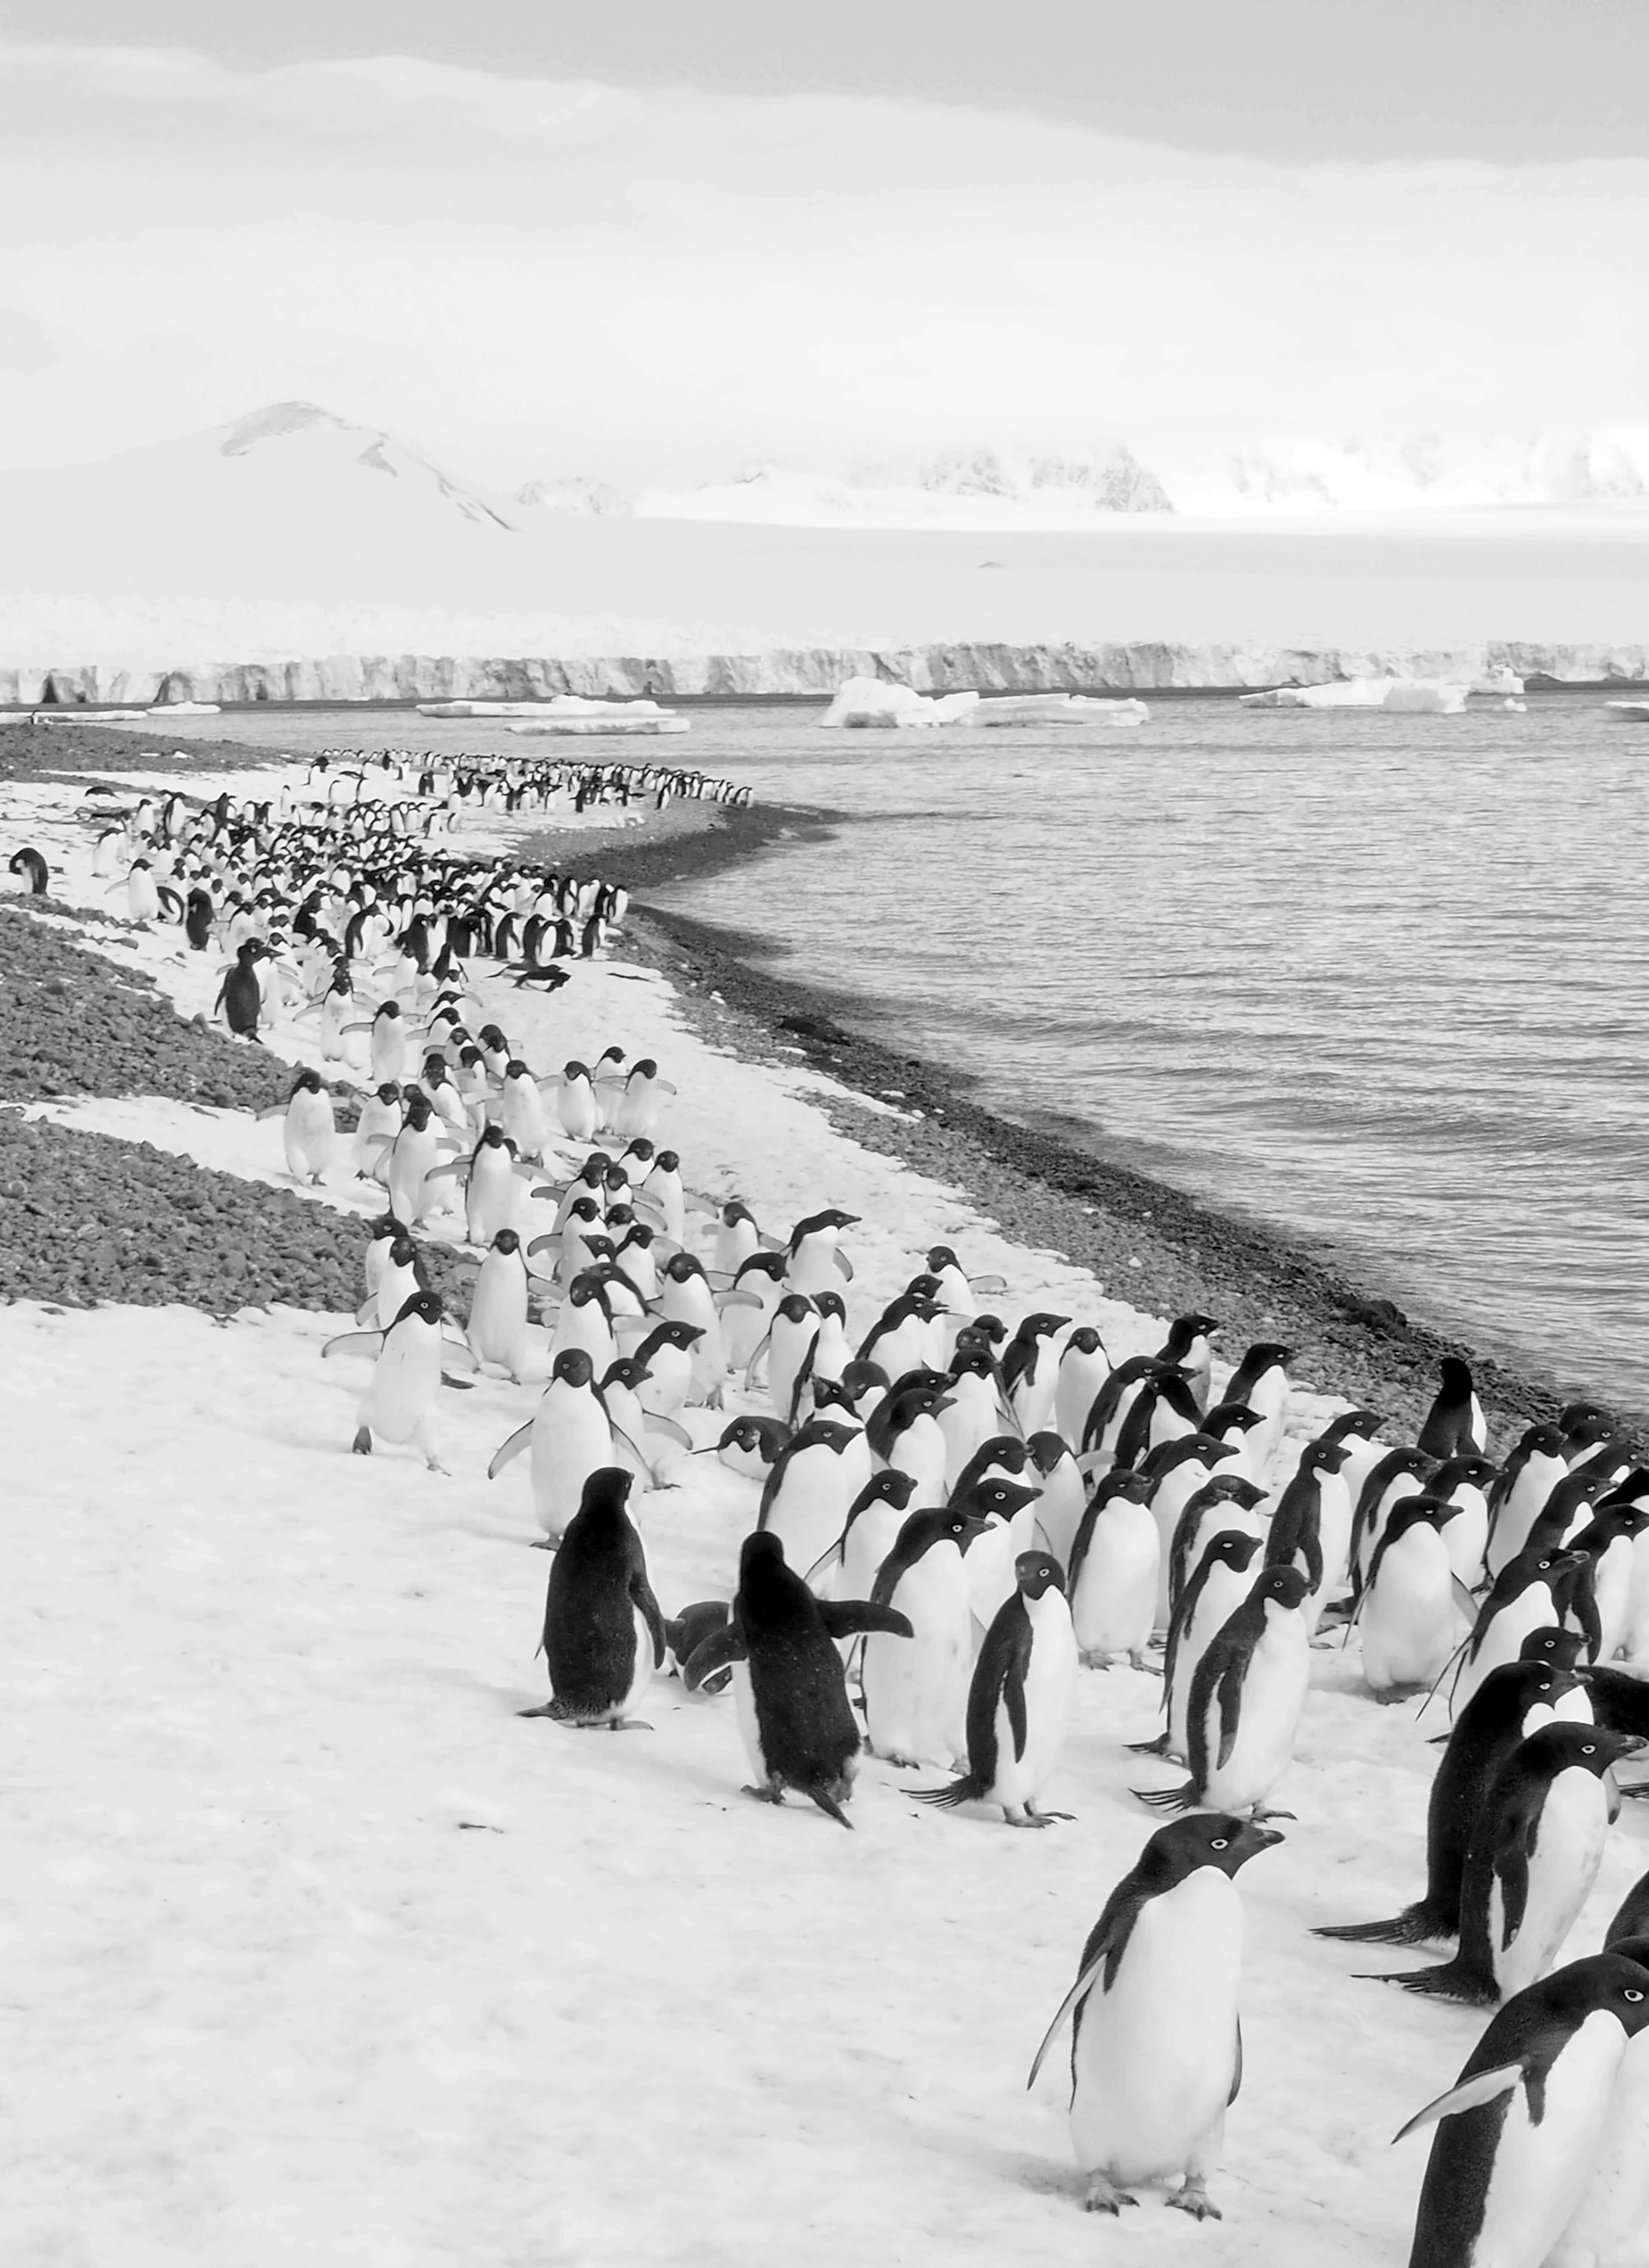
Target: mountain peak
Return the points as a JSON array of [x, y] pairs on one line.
[[281, 417]]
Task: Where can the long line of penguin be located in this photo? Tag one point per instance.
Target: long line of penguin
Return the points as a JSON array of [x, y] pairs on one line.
[[956, 1512]]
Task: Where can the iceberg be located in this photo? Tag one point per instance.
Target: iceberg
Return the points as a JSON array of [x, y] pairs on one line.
[[1423, 697], [1630, 712], [1060, 709], [566, 712], [876, 703]]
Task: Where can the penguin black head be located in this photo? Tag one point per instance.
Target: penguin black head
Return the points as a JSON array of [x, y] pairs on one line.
[[922, 1288], [984, 1330], [1281, 1587], [1125, 1487], [491, 1037], [830, 1394], [507, 1241], [419, 1110], [940, 1255], [516, 1069], [584, 1209], [426, 1305], [390, 1013], [1588, 1431], [666, 1162], [1559, 1648], [675, 1335], [682, 1267], [861, 1378], [770, 1264], [1084, 1340], [973, 1362], [768, 1434], [1206, 1838], [403, 1253], [307, 1082], [1575, 1414], [573, 1367], [1048, 1450], [832, 1216], [1040, 1326], [640, 1149], [1267, 1354], [627, 1371], [389, 1092], [494, 1137], [645, 1069], [795, 1307], [830, 1303], [1232, 1417], [607, 1490], [1037, 1573], [385, 1225], [1361, 1423], [1324, 1456], [890, 1487]]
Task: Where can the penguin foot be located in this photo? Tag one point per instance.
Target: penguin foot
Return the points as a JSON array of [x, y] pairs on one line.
[[1096, 1662], [618, 1724], [1042, 1818], [362, 1444], [1192, 2197], [770, 1794], [1103, 2196], [1157, 1748], [1259, 1814], [1150, 1669]]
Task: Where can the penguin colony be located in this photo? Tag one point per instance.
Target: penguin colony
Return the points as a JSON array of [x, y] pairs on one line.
[[953, 1512]]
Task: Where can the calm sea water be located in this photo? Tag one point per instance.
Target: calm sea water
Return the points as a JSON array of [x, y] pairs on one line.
[[1383, 981]]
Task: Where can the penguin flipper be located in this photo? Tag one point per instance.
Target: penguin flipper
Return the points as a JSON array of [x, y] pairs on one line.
[[1449, 1981], [1086, 1982], [353, 1343], [1484, 2087], [512, 1447], [1236, 2068], [669, 1428], [1229, 1693], [720, 1649], [643, 1599], [847, 1617], [844, 1266]]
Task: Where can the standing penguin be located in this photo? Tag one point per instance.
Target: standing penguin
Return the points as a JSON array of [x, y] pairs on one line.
[[1113, 1573], [1084, 1367], [492, 1189], [1311, 1528], [1021, 1700], [1030, 1372], [1530, 1593], [875, 1519], [399, 1405], [1520, 2132], [1519, 1492], [496, 1326], [1453, 1426], [241, 996], [1186, 1347], [1246, 1701], [603, 1632], [570, 1437], [1156, 2048], [916, 1692], [809, 1492], [815, 1259], [308, 1129], [788, 1684], [1532, 1858], [1176, 1471], [1511, 1704], [1218, 1583], [1409, 1611], [1259, 1383]]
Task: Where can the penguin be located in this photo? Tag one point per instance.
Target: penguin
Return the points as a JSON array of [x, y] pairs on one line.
[[685, 1297], [1020, 1699], [1188, 1349], [399, 1405], [916, 1693], [875, 1520], [666, 1355], [805, 1500], [1528, 1593], [1311, 1528], [1512, 1703], [1464, 1482], [1246, 1701], [375, 1131], [1113, 1577], [749, 1445], [907, 1335], [1521, 1493], [1234, 1423], [521, 1111], [492, 1189], [584, 1320], [241, 996], [603, 1632], [1102, 1427], [308, 1129], [1519, 2133], [570, 1436], [387, 1049], [911, 1441], [686, 1632], [642, 1102], [1400, 1474], [815, 1259], [497, 1325], [1453, 1426], [29, 864], [1030, 1371], [972, 1412], [788, 1684], [1156, 2048], [1084, 1367], [1218, 1583], [1064, 1498], [1610, 1541], [412, 1157], [1176, 1471], [1606, 2229], [1259, 1383], [1228, 1502], [1531, 1859], [1409, 1611]]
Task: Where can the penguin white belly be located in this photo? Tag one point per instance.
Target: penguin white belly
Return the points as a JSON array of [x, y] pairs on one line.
[[1221, 1595], [871, 1538], [1466, 1536], [1114, 1601], [809, 1513], [1050, 1695], [1635, 1640], [1573, 1822], [920, 1452], [1273, 1692], [989, 1573], [916, 1688], [405, 1379], [1076, 1389], [1058, 1511], [744, 1710], [1610, 2228], [571, 1438], [1530, 1611], [641, 1678], [1612, 1584], [310, 1137], [1334, 1537], [1156, 2055], [497, 1329], [1409, 1615], [1539, 2172]]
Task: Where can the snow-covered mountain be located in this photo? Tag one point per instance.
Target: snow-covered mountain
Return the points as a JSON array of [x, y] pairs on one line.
[[575, 493]]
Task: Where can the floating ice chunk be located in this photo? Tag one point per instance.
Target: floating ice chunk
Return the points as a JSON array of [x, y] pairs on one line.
[[1416, 695], [875, 703], [1041, 708]]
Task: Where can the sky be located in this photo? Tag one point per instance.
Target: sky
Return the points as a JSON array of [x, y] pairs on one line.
[[655, 243]]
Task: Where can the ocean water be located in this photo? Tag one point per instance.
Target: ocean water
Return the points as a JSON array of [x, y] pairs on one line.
[[1381, 981]]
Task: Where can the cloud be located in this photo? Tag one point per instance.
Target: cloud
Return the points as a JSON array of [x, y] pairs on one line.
[[593, 277]]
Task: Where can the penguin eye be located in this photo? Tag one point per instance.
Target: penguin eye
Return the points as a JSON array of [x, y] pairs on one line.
[[1588, 1748], [1632, 1993], [1219, 1844]]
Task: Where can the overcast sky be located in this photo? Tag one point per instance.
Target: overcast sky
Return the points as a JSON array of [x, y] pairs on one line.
[[656, 239]]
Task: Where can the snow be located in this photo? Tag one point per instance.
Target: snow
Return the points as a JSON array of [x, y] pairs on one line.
[[318, 1950]]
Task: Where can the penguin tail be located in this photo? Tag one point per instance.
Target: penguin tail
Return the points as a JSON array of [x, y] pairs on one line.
[[965, 1790], [1452, 1981], [1183, 1798], [824, 1797], [1157, 1748], [1416, 1924]]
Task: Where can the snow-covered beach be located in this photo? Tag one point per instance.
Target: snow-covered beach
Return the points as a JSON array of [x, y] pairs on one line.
[[320, 1949]]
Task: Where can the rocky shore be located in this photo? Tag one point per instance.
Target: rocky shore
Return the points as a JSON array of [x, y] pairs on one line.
[[1138, 667]]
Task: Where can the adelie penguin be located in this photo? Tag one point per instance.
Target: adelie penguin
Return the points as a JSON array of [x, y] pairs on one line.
[[789, 1689], [1532, 1858], [603, 1632], [1513, 1702], [399, 1405], [1021, 1699], [1520, 2132], [1246, 1700], [1156, 2048], [241, 996]]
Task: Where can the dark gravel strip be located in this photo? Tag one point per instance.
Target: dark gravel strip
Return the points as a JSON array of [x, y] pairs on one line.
[[34, 751], [1150, 1244], [85, 1218]]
